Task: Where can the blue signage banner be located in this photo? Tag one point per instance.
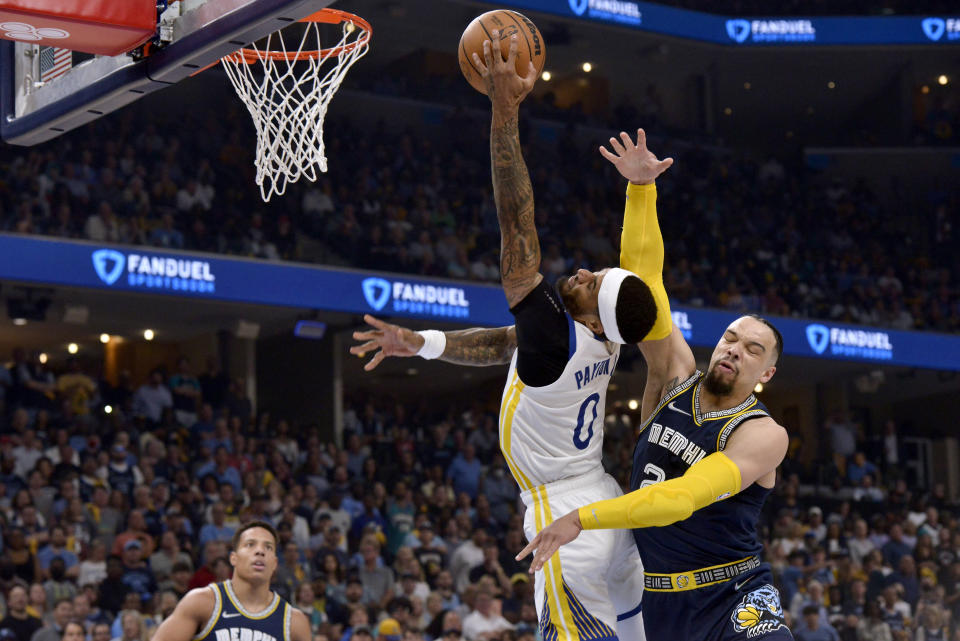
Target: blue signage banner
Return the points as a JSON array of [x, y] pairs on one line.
[[202, 276], [767, 31], [145, 270]]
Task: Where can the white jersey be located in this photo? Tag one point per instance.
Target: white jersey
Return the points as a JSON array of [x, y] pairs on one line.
[[555, 432]]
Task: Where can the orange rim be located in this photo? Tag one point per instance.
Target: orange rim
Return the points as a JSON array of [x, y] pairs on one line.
[[326, 16]]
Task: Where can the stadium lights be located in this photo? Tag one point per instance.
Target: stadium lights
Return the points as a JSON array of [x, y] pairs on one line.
[[587, 68], [758, 388], [43, 357], [148, 334], [747, 86], [727, 111], [546, 75], [925, 89], [19, 322], [633, 404], [831, 85], [73, 348], [107, 409], [943, 80], [104, 338]]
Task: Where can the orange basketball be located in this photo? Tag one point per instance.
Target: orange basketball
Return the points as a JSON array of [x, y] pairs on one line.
[[530, 47]]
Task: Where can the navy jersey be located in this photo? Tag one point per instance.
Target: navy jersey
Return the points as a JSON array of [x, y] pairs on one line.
[[230, 621], [675, 437], [121, 480]]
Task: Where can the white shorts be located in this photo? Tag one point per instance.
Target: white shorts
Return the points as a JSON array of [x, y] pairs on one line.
[[591, 589]]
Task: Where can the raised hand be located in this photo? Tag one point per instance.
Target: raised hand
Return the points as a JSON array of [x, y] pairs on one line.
[[387, 339], [635, 162], [505, 87]]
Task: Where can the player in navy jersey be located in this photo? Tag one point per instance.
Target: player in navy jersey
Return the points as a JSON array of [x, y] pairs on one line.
[[704, 463], [242, 608]]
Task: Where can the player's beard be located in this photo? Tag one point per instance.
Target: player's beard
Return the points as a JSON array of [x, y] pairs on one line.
[[716, 385]]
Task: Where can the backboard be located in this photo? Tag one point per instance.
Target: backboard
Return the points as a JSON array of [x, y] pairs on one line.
[[202, 33]]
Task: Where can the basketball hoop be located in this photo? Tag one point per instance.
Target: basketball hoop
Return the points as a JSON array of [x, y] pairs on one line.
[[287, 91]]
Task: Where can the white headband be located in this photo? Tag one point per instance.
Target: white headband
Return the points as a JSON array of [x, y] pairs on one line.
[[607, 302]]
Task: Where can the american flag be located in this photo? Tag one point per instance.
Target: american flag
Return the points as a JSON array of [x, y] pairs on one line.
[[54, 62]]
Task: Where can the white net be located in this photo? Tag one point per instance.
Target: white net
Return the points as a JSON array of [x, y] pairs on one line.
[[287, 91]]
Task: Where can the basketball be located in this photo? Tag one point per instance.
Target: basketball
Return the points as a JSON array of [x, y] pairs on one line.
[[530, 45]]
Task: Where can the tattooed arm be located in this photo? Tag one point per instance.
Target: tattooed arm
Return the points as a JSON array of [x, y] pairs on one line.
[[476, 346], [480, 346], [512, 191]]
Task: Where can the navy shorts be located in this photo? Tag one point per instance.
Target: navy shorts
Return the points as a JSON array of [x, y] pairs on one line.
[[746, 608]]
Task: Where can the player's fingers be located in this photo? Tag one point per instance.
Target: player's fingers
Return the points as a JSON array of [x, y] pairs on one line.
[[478, 63], [609, 156], [375, 322], [531, 74], [487, 57], [366, 347], [665, 164], [544, 552], [616, 146], [641, 138], [496, 56], [627, 142], [531, 546], [512, 52], [377, 358], [367, 334]]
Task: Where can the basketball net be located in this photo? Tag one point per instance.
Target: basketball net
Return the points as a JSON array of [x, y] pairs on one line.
[[287, 91]]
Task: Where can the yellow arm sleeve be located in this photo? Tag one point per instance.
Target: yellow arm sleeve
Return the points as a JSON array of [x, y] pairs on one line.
[[641, 251], [712, 479]]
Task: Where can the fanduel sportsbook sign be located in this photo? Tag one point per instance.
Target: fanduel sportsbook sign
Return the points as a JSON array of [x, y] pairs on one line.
[[771, 31], [610, 10], [176, 274], [840, 341], [415, 298], [937, 29]]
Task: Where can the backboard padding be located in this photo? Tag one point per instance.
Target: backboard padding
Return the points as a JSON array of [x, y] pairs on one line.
[[104, 84]]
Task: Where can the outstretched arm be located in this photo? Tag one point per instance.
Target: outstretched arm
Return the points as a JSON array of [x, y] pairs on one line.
[[755, 449], [476, 346], [669, 359], [512, 191]]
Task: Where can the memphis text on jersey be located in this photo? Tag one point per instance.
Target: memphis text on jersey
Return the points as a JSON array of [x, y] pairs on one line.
[[676, 442], [243, 634]]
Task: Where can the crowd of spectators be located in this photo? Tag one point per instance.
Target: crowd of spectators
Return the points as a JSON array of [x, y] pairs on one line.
[[407, 531], [742, 233]]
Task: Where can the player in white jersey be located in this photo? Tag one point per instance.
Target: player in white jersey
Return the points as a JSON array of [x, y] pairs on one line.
[[561, 357]]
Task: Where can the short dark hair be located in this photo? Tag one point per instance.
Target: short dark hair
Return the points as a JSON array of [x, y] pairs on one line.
[[76, 623], [636, 310], [776, 334], [810, 609], [249, 526]]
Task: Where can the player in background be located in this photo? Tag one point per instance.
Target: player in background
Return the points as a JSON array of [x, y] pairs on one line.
[[243, 607], [561, 357]]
